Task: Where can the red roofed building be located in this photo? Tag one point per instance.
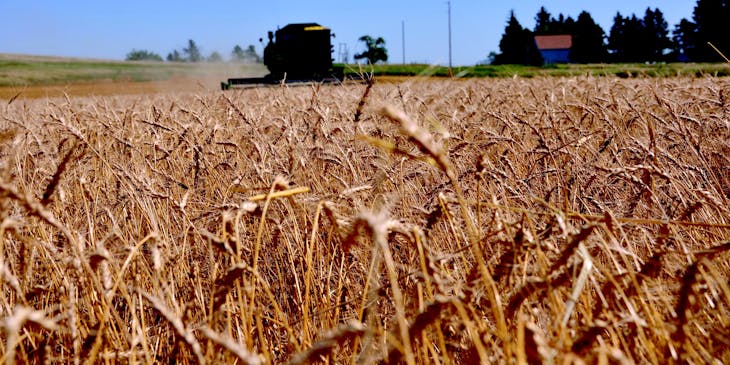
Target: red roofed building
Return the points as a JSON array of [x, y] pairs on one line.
[[554, 48]]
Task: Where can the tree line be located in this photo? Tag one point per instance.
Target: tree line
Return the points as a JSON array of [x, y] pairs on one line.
[[630, 39], [375, 52], [192, 53]]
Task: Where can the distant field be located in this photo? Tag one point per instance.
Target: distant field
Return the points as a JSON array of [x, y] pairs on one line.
[[43, 76], [20, 70]]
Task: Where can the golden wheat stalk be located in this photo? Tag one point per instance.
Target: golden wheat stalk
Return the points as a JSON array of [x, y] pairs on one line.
[[280, 194], [425, 142], [181, 331], [328, 342], [14, 323], [246, 356]]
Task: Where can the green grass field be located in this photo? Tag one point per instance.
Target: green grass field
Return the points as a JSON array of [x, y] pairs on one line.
[[620, 70]]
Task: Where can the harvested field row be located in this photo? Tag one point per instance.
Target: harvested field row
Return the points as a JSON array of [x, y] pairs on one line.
[[546, 220]]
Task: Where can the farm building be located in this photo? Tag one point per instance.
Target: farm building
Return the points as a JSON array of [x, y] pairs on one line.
[[554, 48]]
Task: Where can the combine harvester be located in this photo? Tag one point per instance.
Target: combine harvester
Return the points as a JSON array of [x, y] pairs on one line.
[[297, 53]]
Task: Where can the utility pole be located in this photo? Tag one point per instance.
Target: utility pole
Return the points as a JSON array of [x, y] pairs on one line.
[[450, 65], [403, 36]]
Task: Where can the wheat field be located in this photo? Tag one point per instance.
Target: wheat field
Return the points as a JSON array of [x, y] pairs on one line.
[[547, 220]]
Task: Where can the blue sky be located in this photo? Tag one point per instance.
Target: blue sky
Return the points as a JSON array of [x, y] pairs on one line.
[[110, 29]]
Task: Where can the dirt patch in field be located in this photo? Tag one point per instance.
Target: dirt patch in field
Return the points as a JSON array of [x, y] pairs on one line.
[[109, 88]]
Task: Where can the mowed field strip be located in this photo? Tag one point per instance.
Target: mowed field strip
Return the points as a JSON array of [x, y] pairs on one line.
[[542, 220]]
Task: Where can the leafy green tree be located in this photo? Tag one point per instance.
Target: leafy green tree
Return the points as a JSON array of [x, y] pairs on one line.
[[174, 56], [143, 55], [588, 41], [193, 52], [215, 57], [375, 50], [517, 45]]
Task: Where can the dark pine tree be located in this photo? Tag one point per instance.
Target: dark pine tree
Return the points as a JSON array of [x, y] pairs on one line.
[[588, 41], [636, 50], [193, 52], [237, 55], [560, 25], [626, 39], [711, 21], [547, 25], [655, 35], [683, 37], [543, 22], [568, 26], [174, 56], [517, 45], [617, 38], [557, 25]]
